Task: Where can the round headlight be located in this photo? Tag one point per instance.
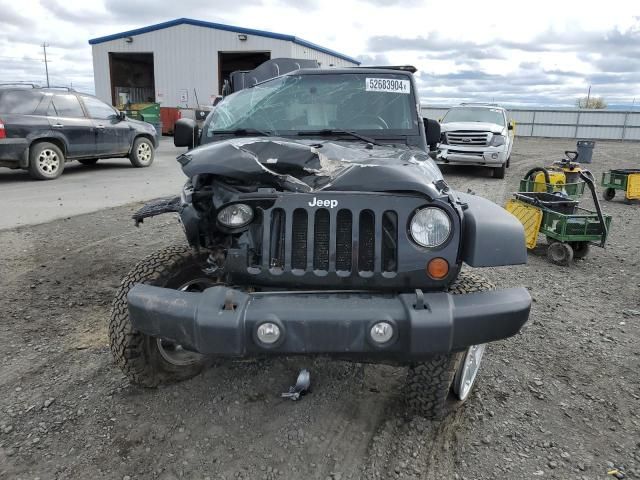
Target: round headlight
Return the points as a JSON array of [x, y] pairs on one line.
[[236, 215], [430, 227]]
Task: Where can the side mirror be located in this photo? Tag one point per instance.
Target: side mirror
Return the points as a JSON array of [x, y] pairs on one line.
[[122, 116], [185, 133], [510, 127], [432, 131]]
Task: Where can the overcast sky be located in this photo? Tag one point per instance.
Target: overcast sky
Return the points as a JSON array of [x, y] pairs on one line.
[[544, 52]]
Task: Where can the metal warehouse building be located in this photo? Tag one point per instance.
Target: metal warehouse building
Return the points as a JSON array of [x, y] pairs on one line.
[[184, 62]]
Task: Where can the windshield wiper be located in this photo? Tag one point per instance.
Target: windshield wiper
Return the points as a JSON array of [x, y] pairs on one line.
[[243, 131], [329, 131]]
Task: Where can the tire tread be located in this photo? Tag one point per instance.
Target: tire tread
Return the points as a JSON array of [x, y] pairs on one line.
[[428, 383], [128, 346]]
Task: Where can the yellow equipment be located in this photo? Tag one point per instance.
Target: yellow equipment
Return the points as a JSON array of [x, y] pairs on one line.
[[530, 217], [633, 186], [556, 178], [563, 176], [625, 179]]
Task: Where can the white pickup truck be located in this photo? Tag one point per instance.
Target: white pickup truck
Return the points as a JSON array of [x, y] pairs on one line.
[[477, 134]]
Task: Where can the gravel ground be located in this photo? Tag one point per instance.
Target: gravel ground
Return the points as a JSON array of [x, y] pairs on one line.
[[560, 400]]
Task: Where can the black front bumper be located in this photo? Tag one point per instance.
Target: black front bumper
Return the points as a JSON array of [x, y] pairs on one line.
[[223, 321]]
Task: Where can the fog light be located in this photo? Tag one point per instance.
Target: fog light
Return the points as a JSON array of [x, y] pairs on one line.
[[381, 332], [494, 156], [268, 333]]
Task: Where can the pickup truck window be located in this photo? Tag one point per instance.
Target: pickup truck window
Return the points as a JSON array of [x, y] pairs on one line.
[[474, 114], [374, 103]]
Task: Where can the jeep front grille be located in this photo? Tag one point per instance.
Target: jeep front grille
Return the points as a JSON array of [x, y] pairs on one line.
[[299, 240], [325, 240], [344, 248], [470, 138]]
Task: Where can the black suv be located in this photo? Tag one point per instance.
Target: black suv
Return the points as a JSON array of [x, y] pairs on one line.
[[42, 128]]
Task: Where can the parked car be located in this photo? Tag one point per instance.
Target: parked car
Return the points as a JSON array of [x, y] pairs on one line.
[[43, 128], [317, 224], [477, 134]]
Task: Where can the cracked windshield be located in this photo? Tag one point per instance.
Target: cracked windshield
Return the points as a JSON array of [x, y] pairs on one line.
[[377, 104]]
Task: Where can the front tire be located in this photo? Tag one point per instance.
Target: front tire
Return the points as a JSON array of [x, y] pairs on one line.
[[46, 161], [142, 153], [432, 383], [145, 360], [499, 172]]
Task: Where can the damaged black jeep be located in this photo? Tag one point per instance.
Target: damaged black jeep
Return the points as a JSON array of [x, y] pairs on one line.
[[317, 224]]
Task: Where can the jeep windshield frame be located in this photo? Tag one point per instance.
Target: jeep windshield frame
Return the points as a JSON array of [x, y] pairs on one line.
[[340, 101]]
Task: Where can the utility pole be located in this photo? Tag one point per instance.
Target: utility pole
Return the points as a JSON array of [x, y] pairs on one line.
[[46, 64], [588, 97]]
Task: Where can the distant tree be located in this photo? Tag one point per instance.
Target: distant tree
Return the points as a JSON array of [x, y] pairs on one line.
[[591, 102]]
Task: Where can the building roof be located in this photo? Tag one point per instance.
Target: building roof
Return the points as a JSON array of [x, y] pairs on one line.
[[221, 26]]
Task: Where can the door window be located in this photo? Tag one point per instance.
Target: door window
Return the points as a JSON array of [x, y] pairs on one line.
[[66, 106], [97, 109]]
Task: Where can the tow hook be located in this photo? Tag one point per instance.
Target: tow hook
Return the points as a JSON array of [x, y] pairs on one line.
[[303, 383]]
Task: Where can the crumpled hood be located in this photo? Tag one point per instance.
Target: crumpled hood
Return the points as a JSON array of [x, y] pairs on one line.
[[471, 126], [308, 165]]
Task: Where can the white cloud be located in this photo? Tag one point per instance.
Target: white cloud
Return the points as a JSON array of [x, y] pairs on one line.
[[543, 52]]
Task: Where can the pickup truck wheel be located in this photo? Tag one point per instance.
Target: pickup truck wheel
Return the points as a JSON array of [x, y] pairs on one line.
[[432, 384], [142, 153], [145, 360], [46, 161], [498, 172]]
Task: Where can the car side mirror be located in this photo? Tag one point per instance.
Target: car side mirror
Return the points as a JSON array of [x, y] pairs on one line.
[[432, 131], [122, 116], [510, 127], [185, 133]]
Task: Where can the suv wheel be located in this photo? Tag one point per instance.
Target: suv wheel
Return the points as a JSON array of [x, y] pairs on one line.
[[447, 378], [498, 172], [142, 152], [46, 161], [149, 361]]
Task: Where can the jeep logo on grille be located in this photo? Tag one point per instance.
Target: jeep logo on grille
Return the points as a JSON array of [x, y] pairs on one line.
[[316, 202]]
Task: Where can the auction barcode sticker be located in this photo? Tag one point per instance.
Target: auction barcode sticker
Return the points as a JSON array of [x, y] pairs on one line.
[[387, 85]]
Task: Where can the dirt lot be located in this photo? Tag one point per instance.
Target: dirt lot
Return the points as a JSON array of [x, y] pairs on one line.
[[560, 400]]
